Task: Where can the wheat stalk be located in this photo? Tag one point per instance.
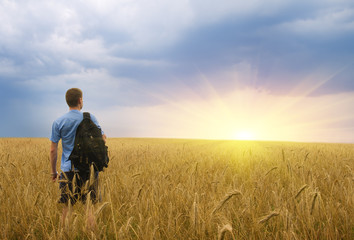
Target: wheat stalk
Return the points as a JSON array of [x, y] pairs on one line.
[[313, 202], [195, 212], [270, 170], [301, 190], [222, 231], [139, 192], [267, 217], [100, 209], [226, 198], [135, 175]]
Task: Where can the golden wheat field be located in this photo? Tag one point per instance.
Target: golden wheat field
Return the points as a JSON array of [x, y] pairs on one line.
[[186, 189]]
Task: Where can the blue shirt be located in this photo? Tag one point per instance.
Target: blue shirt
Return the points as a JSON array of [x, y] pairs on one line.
[[64, 128]]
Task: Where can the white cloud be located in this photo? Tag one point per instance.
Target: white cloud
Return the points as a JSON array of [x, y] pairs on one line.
[[72, 34], [144, 24], [328, 22], [209, 11], [86, 77], [95, 30], [91, 50], [98, 84], [136, 25]]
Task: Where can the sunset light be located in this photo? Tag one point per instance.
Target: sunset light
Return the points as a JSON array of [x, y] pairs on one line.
[[244, 135]]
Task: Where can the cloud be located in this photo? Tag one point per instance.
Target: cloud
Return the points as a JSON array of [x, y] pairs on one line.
[[129, 24], [328, 23], [53, 37], [7, 67], [98, 84]]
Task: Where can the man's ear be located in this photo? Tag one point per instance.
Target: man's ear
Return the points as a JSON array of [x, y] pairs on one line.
[[81, 102]]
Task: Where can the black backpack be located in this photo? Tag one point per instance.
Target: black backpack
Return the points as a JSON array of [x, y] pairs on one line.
[[89, 147]]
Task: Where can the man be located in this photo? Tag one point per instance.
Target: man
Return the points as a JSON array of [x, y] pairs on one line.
[[64, 128]]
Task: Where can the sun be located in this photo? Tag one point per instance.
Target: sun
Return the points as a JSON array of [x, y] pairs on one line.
[[244, 135]]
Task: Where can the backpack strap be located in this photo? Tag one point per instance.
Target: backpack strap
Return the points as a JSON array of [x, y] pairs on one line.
[[87, 115]]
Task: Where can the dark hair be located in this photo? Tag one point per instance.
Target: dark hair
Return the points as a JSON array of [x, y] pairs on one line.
[[72, 97]]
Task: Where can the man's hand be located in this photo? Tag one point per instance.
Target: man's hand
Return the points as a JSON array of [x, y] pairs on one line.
[[54, 176]]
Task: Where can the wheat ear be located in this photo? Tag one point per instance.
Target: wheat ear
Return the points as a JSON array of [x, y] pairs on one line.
[[226, 228], [270, 170], [269, 216], [300, 191], [226, 198], [313, 202]]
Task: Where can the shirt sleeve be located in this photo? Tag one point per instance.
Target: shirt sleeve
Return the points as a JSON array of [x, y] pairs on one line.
[[93, 118], [55, 137]]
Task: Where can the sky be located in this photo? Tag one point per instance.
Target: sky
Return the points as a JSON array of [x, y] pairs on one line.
[[279, 70]]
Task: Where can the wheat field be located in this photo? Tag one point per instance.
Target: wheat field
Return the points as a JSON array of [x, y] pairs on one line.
[[185, 189]]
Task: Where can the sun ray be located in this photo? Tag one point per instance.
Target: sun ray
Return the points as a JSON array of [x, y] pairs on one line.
[[250, 113]]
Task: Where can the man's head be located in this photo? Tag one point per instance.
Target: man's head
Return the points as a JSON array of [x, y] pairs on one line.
[[74, 98]]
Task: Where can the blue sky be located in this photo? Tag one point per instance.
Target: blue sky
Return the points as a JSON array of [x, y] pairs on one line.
[[273, 70]]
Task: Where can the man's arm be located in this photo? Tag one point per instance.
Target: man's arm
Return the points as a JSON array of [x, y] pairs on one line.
[[53, 159]]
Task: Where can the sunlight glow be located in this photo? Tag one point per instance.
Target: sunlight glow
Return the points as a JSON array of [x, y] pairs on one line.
[[244, 114], [244, 135]]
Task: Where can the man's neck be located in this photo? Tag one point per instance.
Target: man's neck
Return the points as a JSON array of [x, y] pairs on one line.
[[74, 108]]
